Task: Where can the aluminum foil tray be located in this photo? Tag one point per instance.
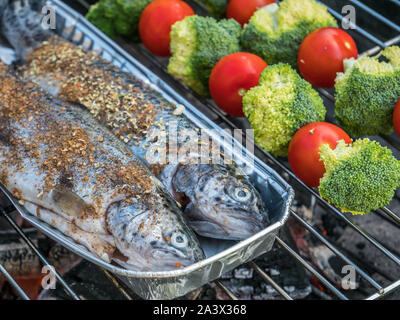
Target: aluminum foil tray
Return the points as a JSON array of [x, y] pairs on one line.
[[221, 256]]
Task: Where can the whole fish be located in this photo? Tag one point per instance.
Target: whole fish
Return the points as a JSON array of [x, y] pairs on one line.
[[72, 173], [218, 200]]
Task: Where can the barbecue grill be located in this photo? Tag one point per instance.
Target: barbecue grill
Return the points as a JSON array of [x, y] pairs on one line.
[[387, 32]]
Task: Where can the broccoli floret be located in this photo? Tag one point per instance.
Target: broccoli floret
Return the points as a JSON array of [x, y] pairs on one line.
[[276, 32], [280, 105], [197, 44], [367, 92], [359, 177], [118, 17], [102, 15], [216, 7]]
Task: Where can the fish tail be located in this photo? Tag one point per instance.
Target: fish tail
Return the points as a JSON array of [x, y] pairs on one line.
[[21, 24]]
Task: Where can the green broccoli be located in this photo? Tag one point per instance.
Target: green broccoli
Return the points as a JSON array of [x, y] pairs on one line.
[[276, 32], [216, 7], [367, 92], [280, 105], [197, 44], [118, 17], [359, 177]]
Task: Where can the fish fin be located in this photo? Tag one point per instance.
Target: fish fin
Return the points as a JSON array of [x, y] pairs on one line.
[[93, 242], [70, 203], [21, 24], [118, 255]]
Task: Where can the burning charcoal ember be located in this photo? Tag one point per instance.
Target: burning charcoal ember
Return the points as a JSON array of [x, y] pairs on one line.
[[4, 225], [7, 291], [25, 266], [274, 272], [17, 257], [227, 275], [369, 255], [88, 281], [243, 273], [352, 244], [280, 266], [61, 258], [244, 292], [331, 265], [220, 294], [209, 293]]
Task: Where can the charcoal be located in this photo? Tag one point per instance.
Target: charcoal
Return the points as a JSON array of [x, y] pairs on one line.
[[88, 281], [280, 266]]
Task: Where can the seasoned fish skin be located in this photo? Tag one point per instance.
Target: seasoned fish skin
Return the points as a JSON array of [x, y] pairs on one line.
[[73, 173], [139, 116]]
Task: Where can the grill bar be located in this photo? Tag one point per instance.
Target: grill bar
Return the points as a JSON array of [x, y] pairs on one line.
[[391, 214], [118, 285], [376, 49], [387, 290], [267, 278], [387, 217], [320, 294], [314, 193], [228, 291], [396, 2], [311, 269], [223, 119], [13, 283], [336, 251], [376, 15], [358, 29], [37, 252], [340, 214]]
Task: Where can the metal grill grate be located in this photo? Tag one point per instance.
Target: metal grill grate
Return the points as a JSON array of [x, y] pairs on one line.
[[225, 121]]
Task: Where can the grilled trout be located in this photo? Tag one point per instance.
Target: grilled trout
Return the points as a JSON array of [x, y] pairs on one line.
[[72, 173], [218, 200]]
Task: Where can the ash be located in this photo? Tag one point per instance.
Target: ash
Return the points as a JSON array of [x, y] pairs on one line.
[[246, 284]]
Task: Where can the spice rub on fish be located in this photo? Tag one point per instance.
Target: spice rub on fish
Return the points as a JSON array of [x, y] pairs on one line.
[[219, 201], [72, 173]]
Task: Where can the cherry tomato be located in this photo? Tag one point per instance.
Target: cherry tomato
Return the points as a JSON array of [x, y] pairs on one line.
[[304, 150], [231, 77], [396, 118], [156, 22], [321, 55], [242, 10]]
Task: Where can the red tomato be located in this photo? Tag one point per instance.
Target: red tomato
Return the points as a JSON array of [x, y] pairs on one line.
[[242, 10], [304, 150], [231, 77], [321, 55], [156, 22], [396, 118]]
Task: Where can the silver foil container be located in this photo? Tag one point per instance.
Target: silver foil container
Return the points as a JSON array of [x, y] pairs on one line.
[[221, 256]]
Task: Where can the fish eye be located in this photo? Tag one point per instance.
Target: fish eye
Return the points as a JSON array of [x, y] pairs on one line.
[[241, 194], [179, 240]]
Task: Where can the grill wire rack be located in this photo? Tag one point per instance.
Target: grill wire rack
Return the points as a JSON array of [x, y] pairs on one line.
[[225, 121]]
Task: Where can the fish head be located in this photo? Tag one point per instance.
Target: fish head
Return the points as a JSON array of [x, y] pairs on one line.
[[153, 236], [222, 204]]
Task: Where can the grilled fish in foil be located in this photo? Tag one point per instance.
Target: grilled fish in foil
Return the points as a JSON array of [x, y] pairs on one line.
[[218, 200], [72, 173]]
